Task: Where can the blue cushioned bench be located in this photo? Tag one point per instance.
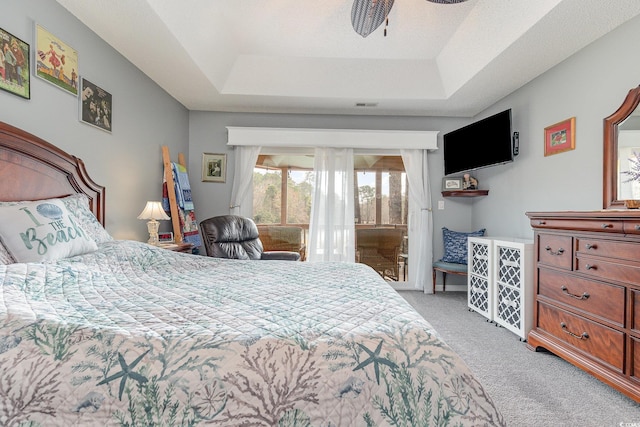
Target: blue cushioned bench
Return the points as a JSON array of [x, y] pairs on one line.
[[447, 267]]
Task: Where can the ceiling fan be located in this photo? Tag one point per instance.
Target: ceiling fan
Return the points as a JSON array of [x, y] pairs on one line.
[[367, 15]]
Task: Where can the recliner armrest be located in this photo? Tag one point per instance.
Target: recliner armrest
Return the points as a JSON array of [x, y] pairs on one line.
[[280, 255]]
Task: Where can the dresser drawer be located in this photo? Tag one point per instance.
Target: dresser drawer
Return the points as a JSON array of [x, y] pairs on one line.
[[608, 248], [635, 359], [632, 227], [598, 299], [603, 343], [635, 312], [597, 225], [610, 270], [556, 251]]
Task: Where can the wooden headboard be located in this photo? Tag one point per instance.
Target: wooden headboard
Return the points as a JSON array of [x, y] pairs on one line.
[[33, 169]]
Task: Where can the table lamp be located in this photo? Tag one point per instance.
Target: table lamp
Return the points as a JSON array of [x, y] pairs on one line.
[[153, 211]]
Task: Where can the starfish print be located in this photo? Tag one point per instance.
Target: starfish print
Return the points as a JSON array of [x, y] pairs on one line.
[[374, 357], [126, 372]]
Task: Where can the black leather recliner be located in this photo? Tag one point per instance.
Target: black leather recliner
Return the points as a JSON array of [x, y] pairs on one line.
[[236, 237]]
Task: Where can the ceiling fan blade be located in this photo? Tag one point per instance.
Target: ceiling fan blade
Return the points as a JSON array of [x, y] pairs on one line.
[[367, 15], [447, 1]]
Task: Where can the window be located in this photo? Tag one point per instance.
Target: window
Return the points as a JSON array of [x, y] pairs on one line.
[[381, 190], [283, 188], [277, 200]]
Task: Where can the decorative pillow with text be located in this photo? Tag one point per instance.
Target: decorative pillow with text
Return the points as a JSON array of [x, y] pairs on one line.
[[42, 230]]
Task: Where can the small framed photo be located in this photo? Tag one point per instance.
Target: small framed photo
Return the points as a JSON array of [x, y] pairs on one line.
[[96, 108], [15, 74], [214, 167], [451, 184], [560, 137], [55, 61]]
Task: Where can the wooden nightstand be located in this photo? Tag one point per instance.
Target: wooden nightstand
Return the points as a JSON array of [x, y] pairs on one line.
[[186, 248]]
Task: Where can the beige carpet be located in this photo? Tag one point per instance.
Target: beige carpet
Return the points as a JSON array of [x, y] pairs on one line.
[[530, 388]]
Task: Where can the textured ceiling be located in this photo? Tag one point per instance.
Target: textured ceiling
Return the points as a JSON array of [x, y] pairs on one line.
[[295, 56]]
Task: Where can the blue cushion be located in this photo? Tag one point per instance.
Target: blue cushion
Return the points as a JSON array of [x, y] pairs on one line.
[[455, 245], [451, 266]]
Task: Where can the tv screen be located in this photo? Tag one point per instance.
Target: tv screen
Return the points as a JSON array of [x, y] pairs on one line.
[[486, 142]]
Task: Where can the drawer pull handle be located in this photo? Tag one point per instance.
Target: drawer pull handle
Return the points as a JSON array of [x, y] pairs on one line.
[[591, 246], [558, 252], [591, 267], [542, 222], [607, 225], [637, 227], [583, 336], [566, 292]]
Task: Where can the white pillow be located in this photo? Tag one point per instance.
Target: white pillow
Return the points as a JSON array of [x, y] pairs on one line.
[[78, 205], [42, 230]]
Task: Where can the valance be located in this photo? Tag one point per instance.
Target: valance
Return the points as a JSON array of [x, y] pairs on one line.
[[335, 138]]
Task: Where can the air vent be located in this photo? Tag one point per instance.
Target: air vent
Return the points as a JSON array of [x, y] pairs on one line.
[[366, 104]]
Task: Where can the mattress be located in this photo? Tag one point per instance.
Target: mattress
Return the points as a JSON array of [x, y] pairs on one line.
[[132, 335]]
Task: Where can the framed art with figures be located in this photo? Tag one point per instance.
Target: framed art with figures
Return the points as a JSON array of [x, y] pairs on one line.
[[96, 106], [14, 65], [55, 61], [214, 167]]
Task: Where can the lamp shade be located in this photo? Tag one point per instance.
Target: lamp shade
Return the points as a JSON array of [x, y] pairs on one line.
[[154, 211]]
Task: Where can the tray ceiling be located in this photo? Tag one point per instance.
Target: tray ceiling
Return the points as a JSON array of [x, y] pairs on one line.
[[293, 56]]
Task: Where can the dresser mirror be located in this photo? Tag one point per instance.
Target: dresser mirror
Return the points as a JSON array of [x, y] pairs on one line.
[[622, 153]]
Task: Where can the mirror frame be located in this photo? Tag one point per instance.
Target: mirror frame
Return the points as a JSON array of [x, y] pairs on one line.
[[610, 169]]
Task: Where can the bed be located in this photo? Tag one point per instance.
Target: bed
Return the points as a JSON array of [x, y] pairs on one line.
[[125, 333]]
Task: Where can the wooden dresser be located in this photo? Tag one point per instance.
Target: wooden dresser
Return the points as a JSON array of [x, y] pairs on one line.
[[587, 292]]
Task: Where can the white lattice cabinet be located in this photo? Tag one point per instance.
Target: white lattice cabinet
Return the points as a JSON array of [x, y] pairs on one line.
[[513, 286], [500, 281], [479, 275]]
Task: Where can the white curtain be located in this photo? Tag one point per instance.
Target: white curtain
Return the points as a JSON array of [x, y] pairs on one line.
[[242, 187], [332, 225], [420, 219]]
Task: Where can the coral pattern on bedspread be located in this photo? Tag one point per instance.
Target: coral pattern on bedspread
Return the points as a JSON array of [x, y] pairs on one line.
[[134, 335]]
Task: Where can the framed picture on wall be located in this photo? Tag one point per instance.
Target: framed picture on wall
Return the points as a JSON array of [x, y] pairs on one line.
[[14, 65], [214, 167], [560, 137], [96, 108], [55, 61]]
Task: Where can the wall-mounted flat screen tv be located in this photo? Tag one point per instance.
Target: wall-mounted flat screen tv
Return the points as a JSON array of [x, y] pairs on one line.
[[486, 142]]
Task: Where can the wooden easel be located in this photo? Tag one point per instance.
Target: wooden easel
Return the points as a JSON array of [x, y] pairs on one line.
[[173, 203]]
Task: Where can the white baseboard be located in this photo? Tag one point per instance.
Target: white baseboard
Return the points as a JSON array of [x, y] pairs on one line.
[[452, 288]]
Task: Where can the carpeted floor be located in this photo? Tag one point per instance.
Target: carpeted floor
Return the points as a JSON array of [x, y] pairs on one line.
[[530, 388]]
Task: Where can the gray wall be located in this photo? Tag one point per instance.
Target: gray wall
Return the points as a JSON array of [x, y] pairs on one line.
[[589, 86], [128, 162]]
